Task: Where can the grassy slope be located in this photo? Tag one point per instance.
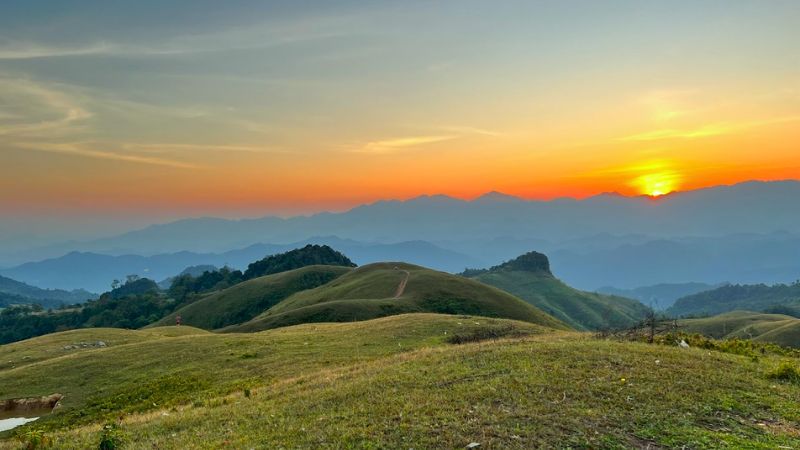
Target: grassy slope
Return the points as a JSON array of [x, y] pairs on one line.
[[581, 310], [367, 292], [775, 328], [183, 364], [392, 383], [51, 346], [246, 300]]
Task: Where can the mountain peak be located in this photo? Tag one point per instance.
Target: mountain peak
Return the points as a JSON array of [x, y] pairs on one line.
[[497, 196], [529, 262]]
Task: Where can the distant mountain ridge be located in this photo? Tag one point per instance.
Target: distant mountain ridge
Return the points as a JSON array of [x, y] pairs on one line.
[[732, 297], [712, 211], [96, 271], [17, 291]]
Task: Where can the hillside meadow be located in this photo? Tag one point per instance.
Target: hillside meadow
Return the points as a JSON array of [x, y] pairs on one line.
[[415, 380]]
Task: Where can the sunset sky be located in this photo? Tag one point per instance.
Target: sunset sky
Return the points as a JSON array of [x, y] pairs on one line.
[[136, 110]]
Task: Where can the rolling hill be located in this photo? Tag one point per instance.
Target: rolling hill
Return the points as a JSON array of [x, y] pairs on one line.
[[19, 292], [384, 289], [396, 382], [248, 299], [658, 296], [775, 328], [529, 277], [758, 297]]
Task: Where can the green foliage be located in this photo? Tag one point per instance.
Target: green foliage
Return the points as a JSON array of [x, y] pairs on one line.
[[34, 439], [785, 371], [186, 285], [307, 256], [134, 286], [757, 297], [112, 437], [248, 299], [485, 333]]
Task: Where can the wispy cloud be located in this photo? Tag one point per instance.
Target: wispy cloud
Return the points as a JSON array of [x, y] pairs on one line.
[[174, 147], [34, 108], [259, 36], [31, 50], [392, 145], [710, 130], [472, 130], [81, 149], [674, 133]]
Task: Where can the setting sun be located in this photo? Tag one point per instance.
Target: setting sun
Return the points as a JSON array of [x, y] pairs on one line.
[[657, 184]]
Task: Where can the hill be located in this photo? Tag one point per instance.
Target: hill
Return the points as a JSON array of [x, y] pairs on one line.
[[384, 289], [95, 271], [658, 296], [529, 277], [26, 293], [297, 258], [759, 297], [248, 299], [775, 328], [398, 382]]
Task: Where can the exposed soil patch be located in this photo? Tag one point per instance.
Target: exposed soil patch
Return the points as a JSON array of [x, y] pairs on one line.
[[20, 405]]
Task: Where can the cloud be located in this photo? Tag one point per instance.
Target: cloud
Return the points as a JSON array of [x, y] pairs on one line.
[[80, 149], [472, 130], [673, 133], [30, 50], [173, 147], [33, 108], [707, 130], [392, 145], [260, 36]]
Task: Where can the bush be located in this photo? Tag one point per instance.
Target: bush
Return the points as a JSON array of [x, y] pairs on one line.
[[111, 437], [785, 371], [34, 440], [485, 333]]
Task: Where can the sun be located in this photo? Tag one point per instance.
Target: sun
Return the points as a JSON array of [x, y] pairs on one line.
[[657, 184]]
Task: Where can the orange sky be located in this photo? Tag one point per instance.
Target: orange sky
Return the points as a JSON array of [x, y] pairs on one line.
[[322, 110]]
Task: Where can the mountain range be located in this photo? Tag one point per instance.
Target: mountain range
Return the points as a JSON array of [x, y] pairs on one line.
[[745, 233]]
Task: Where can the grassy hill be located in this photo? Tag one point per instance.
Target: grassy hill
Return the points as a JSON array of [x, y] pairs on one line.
[[398, 382], [529, 278], [384, 289], [757, 297], [246, 300], [775, 328]]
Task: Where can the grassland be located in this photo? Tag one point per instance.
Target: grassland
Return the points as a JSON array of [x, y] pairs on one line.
[[246, 300], [774, 328], [371, 291], [581, 310], [398, 382]]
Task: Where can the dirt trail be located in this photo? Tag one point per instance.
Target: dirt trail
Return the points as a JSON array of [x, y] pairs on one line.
[[402, 286]]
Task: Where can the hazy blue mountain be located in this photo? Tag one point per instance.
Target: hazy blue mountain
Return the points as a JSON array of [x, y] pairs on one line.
[[96, 271], [744, 258], [19, 292], [752, 207], [746, 233], [659, 296]]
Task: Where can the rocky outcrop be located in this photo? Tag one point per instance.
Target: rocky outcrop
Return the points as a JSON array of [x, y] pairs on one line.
[[31, 403]]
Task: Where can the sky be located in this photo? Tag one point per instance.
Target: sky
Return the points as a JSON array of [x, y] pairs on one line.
[[114, 114]]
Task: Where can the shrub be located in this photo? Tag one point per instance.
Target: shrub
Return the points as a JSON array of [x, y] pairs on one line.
[[785, 371], [111, 437], [34, 440], [485, 333]]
